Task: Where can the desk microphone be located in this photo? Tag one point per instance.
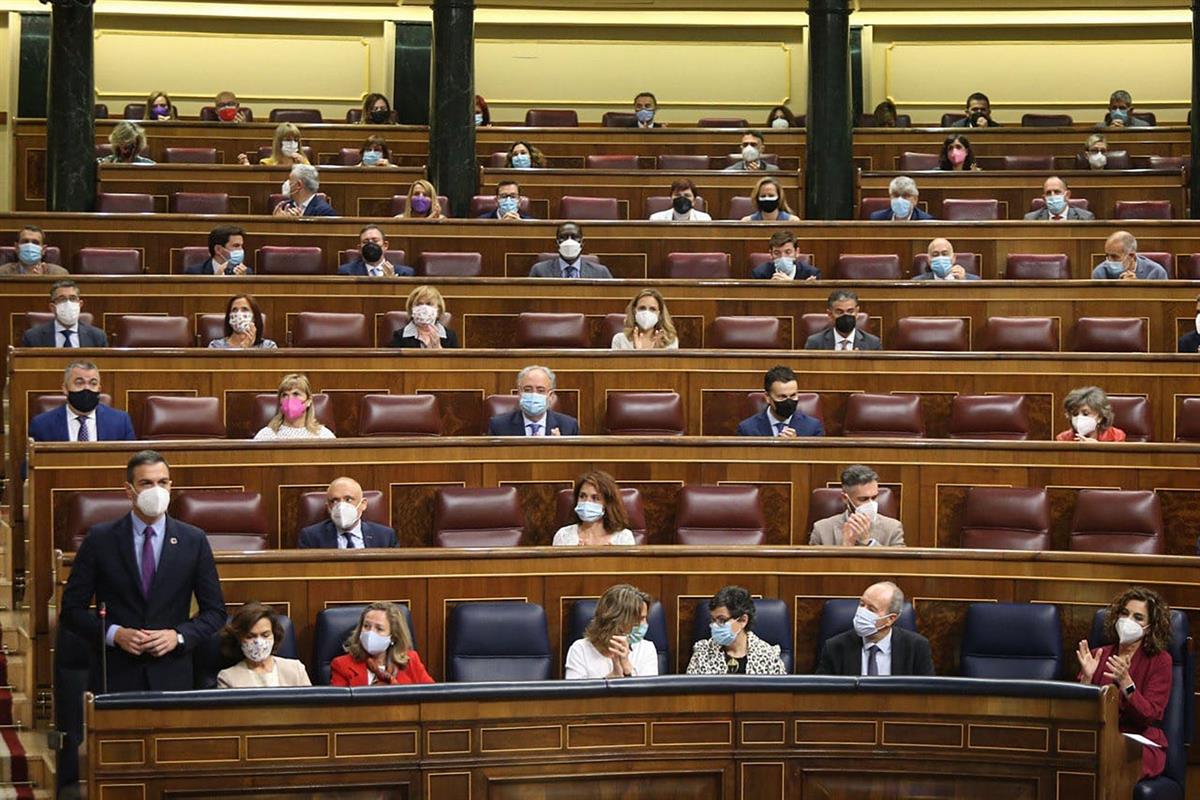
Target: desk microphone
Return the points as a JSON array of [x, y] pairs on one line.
[[103, 649]]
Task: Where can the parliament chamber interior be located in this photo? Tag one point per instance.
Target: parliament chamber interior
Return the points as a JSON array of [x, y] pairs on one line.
[[902, 501]]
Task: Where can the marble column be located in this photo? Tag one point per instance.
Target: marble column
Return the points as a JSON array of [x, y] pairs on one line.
[[452, 164], [70, 125], [829, 160]]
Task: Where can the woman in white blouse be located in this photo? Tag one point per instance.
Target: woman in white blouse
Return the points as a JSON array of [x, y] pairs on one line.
[[599, 516], [648, 324], [296, 417], [614, 644]]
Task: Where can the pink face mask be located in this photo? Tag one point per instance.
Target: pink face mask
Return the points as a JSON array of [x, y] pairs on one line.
[[958, 156], [293, 407]]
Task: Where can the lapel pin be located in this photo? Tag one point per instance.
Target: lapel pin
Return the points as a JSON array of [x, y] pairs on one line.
[[174, 540]]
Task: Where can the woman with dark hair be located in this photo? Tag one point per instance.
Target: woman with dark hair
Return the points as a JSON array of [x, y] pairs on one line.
[[732, 648], [957, 154], [159, 108], [376, 110], [482, 115], [1138, 663], [379, 651], [523, 155], [375, 152], [781, 117], [254, 635], [243, 326], [614, 645], [599, 515]]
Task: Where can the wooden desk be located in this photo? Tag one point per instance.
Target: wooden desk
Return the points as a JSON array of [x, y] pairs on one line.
[[649, 739]]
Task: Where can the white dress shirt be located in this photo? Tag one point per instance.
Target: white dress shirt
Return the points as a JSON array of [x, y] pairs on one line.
[[838, 339], [585, 661], [541, 423], [883, 659], [774, 420], [58, 334], [669, 215], [73, 424], [355, 536]]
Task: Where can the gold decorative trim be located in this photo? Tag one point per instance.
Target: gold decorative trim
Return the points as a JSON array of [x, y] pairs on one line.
[[110, 763], [1044, 731], [797, 723], [412, 734], [483, 748], [782, 732], [1077, 732], [654, 726], [742, 776], [921, 723], [260, 737], [236, 739], [429, 744], [590, 725], [104, 788]]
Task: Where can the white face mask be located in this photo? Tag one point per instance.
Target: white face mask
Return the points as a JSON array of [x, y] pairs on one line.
[[257, 648], [241, 321], [646, 319], [750, 153], [67, 312], [374, 643], [1198, 323], [1098, 160], [1129, 631], [286, 188], [153, 502], [865, 622], [289, 148], [424, 314], [779, 122], [344, 515], [1083, 424], [570, 249], [868, 509]]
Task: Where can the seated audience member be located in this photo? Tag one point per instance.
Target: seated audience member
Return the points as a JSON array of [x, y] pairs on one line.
[[957, 155], [345, 528], [1091, 417], [781, 117], [1188, 343], [648, 324], [65, 330], [645, 106], [903, 206], [375, 152], [570, 262], [81, 418], [754, 144], [614, 644], [301, 188], [483, 115], [1120, 112], [732, 648], [785, 264], [942, 266], [423, 203], [1058, 208], [228, 108], [860, 524], [771, 202], [372, 259], [523, 155], [376, 110], [128, 140], [843, 333], [243, 326], [379, 651], [533, 417], [508, 203], [296, 417], [1096, 150], [31, 249], [683, 204], [159, 108], [255, 634], [781, 417], [979, 113], [285, 149], [425, 307], [1137, 659], [226, 253], [885, 114], [875, 646], [1123, 263], [599, 514]]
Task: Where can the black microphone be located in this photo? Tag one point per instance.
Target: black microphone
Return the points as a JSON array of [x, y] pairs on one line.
[[103, 648]]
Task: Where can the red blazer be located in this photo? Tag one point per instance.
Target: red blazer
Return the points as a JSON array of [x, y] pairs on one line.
[[1144, 710], [345, 671], [1106, 435]]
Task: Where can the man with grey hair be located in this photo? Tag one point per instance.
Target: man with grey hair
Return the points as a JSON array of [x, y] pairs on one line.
[[301, 189], [1122, 262], [533, 415], [81, 418], [1120, 112], [903, 195], [843, 333], [874, 645], [1056, 197], [860, 524]]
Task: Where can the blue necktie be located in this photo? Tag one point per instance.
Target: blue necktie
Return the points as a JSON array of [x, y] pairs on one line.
[[572, 272], [67, 338], [83, 431], [779, 426], [534, 428], [872, 664]]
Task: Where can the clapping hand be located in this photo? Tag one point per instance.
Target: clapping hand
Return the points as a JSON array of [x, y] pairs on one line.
[[1088, 661]]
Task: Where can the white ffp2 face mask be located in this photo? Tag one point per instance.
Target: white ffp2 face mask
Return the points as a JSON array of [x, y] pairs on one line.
[[344, 515], [1083, 424], [646, 320], [153, 502], [1129, 631], [374, 643], [67, 313], [570, 249]]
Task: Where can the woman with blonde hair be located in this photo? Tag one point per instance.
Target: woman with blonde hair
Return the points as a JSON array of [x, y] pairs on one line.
[[422, 202], [598, 516], [296, 417], [648, 324], [380, 650], [159, 108], [424, 330], [614, 644], [770, 201], [1091, 417], [286, 150], [128, 140]]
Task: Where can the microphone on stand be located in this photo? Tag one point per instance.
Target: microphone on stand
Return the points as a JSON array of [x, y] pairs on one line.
[[103, 649]]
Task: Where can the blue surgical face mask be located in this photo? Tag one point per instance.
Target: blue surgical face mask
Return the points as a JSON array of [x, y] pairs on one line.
[[645, 115], [901, 207], [236, 257], [478, 119], [786, 265], [865, 622], [1119, 113], [29, 252], [1114, 268], [1055, 203], [508, 205], [521, 161], [638, 633], [371, 157], [941, 265], [534, 404], [722, 634], [588, 511]]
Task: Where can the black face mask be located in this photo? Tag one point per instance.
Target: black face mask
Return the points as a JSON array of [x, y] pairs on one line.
[[371, 252], [682, 204], [379, 116], [84, 400], [845, 324], [784, 409], [768, 205], [978, 115]]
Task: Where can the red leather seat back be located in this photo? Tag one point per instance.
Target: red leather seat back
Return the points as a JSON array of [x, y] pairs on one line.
[[740, 206], [618, 119], [968, 261], [826, 501], [1037, 266], [630, 496], [296, 115], [350, 156], [108, 261], [1039, 163], [697, 265], [1111, 335], [989, 416], [551, 118], [1044, 121], [954, 210], [722, 122], [171, 417], [327, 329], [644, 414], [918, 162], [1143, 209], [35, 318], [1007, 334], [450, 265], [1116, 521], [135, 330], [85, 509], [267, 404], [945, 334], [550, 330], [869, 205], [210, 327], [719, 515], [678, 163], [199, 203], [274, 260], [190, 155], [745, 333], [191, 256], [894, 416], [232, 520], [590, 208], [1131, 413], [312, 509], [51, 255], [124, 203], [611, 161], [1187, 420], [859, 267], [1166, 260], [470, 517], [399, 415], [1000, 518], [1168, 162]]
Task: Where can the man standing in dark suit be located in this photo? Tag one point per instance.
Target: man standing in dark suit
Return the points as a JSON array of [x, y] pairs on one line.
[[346, 529], [143, 571], [570, 262], [843, 333], [781, 417], [533, 417], [372, 260], [81, 418], [303, 201], [226, 253], [65, 330], [1190, 341], [875, 646]]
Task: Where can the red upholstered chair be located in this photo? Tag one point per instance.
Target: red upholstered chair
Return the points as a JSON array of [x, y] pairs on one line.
[[400, 204], [274, 260], [609, 161], [999, 518], [199, 203], [1152, 118], [190, 155], [1037, 266], [869, 205], [826, 501], [677, 163], [1008, 334], [1166, 260], [1187, 420], [85, 509], [918, 162], [48, 402], [328, 329], [100, 110], [564, 504], [807, 403], [719, 515], [959, 210], [51, 255], [35, 318], [1038, 203], [816, 323], [313, 510], [170, 417], [1039, 163], [644, 414], [552, 330], [951, 118], [1111, 335], [124, 203], [882, 267], [350, 156], [191, 256], [498, 160], [210, 327], [106, 150], [610, 326], [603, 208], [1046, 121], [136, 330], [296, 115], [353, 116], [1117, 160], [893, 416], [618, 119], [1189, 268], [470, 517], [399, 415], [1116, 521], [740, 206], [989, 416], [394, 256], [266, 405], [947, 334], [232, 520], [722, 122], [968, 261], [697, 265], [1169, 162], [446, 265], [1143, 209], [551, 118], [1131, 413], [745, 333], [486, 203], [135, 111], [496, 404], [108, 261]]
